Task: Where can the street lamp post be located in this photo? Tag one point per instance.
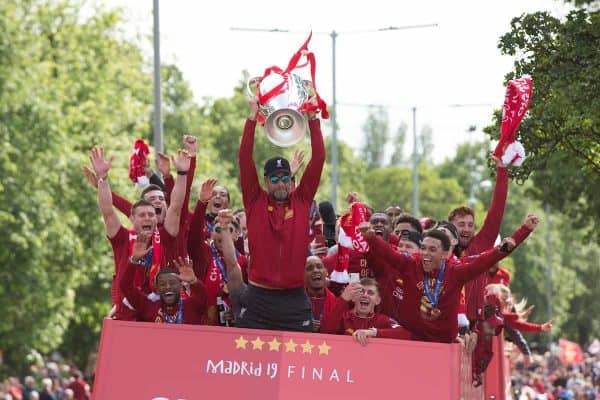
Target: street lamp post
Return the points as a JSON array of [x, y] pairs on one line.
[[158, 128], [333, 34]]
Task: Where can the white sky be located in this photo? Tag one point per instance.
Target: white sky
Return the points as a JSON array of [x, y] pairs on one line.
[[456, 62]]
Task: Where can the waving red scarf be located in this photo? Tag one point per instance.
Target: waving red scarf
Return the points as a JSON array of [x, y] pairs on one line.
[[350, 238], [516, 104], [137, 163]]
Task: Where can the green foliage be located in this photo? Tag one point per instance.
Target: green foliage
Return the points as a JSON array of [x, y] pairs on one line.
[[562, 131], [398, 158], [393, 185], [376, 129], [66, 83]]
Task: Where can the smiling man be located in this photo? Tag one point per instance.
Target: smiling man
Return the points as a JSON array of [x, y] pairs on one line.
[[355, 310], [321, 299], [278, 220], [171, 307], [432, 283], [470, 243]]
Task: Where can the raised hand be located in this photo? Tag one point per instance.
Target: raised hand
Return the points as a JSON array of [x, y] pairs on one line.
[[163, 164], [297, 161], [318, 249], [182, 162], [90, 176], [527, 312], [547, 326], [498, 161], [507, 245], [225, 217], [252, 108], [100, 164], [366, 230], [206, 190], [352, 291], [531, 221], [186, 270], [352, 197], [190, 144], [142, 245]]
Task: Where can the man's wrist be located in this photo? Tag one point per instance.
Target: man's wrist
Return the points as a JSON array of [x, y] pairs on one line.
[[373, 331], [136, 261]]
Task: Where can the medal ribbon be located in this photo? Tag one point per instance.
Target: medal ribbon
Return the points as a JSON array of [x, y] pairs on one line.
[[217, 259], [433, 298]]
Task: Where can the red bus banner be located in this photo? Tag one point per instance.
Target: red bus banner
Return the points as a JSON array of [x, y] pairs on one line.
[[148, 361]]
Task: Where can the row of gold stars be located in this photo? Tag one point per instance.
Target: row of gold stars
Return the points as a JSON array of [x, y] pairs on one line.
[[275, 345]]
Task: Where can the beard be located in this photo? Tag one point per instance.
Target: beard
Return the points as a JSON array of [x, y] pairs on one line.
[[280, 194]]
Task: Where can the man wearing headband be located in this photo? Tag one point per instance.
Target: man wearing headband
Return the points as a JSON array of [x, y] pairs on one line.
[[278, 233]]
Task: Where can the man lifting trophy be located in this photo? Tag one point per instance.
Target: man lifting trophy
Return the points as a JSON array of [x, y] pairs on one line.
[[278, 217]]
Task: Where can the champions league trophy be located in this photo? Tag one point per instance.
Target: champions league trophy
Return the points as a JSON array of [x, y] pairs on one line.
[[282, 98]]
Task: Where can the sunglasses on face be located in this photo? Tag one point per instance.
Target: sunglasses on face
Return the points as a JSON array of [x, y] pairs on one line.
[[285, 179]]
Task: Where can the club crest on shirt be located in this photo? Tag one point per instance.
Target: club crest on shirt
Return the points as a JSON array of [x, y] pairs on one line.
[[289, 213]]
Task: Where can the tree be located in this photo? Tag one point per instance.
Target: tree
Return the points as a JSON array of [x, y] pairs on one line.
[[562, 131], [398, 145], [425, 144], [393, 185], [376, 129], [67, 82]]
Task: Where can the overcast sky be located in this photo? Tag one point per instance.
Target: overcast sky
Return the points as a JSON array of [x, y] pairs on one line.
[[432, 69]]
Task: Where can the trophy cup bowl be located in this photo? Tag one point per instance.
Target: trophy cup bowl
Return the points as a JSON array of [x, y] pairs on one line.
[[284, 123]]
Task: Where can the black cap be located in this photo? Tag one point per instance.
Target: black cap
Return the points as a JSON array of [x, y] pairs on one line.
[[277, 164], [413, 236]]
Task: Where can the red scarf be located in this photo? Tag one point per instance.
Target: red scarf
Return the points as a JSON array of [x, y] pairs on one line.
[[146, 280], [283, 85], [137, 163], [350, 238], [516, 103]]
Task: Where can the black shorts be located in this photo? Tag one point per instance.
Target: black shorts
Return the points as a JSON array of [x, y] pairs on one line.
[[279, 310]]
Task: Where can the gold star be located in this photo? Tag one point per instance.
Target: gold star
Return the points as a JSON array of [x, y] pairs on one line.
[[257, 344], [290, 346], [307, 347], [274, 345], [324, 348], [240, 343]]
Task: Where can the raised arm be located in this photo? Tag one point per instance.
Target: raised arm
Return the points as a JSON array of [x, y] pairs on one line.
[[312, 174], [101, 167], [120, 203], [513, 320], [186, 275], [380, 251], [234, 271], [190, 144], [134, 296], [182, 164], [163, 164], [197, 234], [476, 265], [493, 220], [248, 175], [333, 322]]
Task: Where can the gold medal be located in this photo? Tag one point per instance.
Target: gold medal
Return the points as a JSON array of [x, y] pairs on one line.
[[435, 313]]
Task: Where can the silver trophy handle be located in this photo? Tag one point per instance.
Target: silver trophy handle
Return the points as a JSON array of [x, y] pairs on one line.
[[252, 82]]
